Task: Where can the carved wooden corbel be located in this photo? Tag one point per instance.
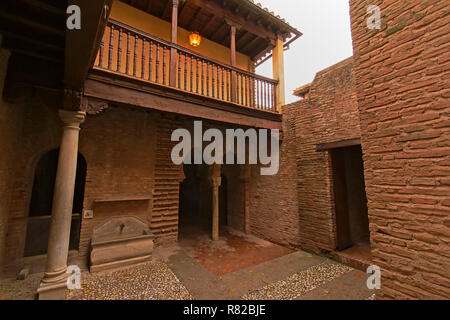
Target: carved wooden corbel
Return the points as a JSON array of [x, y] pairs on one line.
[[94, 106]]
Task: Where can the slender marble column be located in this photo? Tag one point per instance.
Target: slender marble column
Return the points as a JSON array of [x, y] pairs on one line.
[[53, 285]]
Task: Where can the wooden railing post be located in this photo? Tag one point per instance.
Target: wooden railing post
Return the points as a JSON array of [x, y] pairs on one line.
[[278, 72], [233, 63], [173, 51]]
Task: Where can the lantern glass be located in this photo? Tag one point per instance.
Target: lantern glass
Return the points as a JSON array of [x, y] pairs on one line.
[[195, 39]]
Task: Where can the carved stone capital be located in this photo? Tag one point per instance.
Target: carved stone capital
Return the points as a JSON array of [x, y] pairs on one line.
[[72, 119], [216, 182], [215, 175]]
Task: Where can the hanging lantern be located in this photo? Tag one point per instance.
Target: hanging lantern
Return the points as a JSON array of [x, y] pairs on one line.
[[195, 39]]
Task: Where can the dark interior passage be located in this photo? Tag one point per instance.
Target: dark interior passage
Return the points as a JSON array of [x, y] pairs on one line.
[[195, 205], [38, 226], [352, 221]]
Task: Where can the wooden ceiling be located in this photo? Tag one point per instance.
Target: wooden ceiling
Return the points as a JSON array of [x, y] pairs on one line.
[[208, 17], [35, 29]]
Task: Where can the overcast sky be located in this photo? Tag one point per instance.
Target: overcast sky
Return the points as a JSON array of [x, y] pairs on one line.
[[326, 39]]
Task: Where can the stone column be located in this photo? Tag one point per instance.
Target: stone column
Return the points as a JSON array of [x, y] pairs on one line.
[[216, 181], [53, 285]]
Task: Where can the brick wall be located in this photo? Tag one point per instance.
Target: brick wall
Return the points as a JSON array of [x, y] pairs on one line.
[[9, 131], [402, 80], [273, 200], [127, 153], [330, 114]]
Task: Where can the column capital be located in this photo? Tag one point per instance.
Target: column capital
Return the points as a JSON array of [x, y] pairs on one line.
[[233, 25], [72, 119], [216, 182], [175, 3]]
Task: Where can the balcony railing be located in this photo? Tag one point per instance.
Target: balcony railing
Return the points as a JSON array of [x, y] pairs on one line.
[[130, 52]]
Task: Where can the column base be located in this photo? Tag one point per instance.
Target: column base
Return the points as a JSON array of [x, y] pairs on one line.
[[53, 291]]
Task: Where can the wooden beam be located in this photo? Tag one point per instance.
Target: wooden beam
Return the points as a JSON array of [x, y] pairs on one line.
[[169, 100], [167, 10], [193, 20], [217, 31], [250, 44], [34, 25], [34, 41], [225, 13], [242, 38], [82, 45], [45, 6], [340, 144], [208, 24], [149, 6]]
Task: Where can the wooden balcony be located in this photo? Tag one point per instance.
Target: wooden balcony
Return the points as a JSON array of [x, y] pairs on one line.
[[131, 53]]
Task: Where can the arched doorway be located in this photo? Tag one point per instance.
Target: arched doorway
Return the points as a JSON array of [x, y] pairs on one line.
[[39, 215]]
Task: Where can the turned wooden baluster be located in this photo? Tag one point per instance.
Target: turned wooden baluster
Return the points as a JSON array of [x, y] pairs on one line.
[[273, 97], [207, 79], [150, 61], [143, 58], [119, 51], [127, 67], [197, 75], [179, 70], [100, 58], [192, 74], [228, 85], [223, 83], [242, 90], [157, 62], [111, 47], [135, 55], [265, 95], [258, 93], [203, 77], [213, 74], [185, 72], [164, 65]]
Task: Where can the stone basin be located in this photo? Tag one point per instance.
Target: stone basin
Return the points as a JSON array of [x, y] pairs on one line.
[[120, 241]]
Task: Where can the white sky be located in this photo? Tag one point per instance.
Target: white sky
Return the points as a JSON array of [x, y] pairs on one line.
[[326, 39]]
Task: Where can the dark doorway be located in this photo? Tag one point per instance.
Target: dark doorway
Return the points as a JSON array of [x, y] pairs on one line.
[[38, 226], [352, 220], [195, 203]]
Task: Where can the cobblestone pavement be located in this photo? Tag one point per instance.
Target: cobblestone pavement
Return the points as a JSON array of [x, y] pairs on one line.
[[299, 283], [174, 275], [149, 281], [12, 289]]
